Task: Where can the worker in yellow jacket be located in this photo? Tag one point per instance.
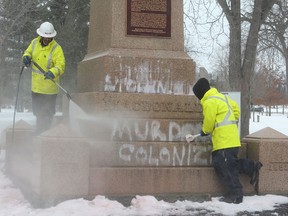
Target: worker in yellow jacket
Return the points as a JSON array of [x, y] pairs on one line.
[[221, 115], [48, 54]]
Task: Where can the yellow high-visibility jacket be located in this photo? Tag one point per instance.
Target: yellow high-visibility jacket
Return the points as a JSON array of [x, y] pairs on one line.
[[49, 58], [220, 118]]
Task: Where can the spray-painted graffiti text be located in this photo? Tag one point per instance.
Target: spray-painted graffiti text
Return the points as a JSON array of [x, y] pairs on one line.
[[167, 155]]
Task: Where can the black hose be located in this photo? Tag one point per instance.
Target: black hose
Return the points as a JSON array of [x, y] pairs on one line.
[[16, 103]]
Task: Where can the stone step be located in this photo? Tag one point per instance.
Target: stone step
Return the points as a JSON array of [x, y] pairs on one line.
[[133, 105], [147, 181]]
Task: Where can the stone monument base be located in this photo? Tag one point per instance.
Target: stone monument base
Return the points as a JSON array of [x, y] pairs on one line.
[[136, 71], [57, 165], [142, 153], [157, 181]]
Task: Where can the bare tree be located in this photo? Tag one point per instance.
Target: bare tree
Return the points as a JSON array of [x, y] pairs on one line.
[[221, 67], [204, 28], [19, 20], [268, 88], [242, 16], [241, 65], [71, 19], [15, 18], [275, 31]]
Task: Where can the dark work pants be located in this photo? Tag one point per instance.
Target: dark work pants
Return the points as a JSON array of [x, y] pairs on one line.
[[228, 167], [43, 107]]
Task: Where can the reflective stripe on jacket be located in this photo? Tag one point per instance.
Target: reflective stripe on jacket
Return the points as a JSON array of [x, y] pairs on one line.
[[49, 58], [220, 118]]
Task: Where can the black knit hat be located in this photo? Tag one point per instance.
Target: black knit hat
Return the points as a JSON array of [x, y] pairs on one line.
[[201, 87]]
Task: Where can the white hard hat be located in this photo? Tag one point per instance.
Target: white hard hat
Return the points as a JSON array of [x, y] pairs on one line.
[[46, 30]]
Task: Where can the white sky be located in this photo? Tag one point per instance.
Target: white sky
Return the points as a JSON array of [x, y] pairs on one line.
[[12, 202], [205, 39]]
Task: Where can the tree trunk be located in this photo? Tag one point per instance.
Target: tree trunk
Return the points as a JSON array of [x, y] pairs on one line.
[[258, 17], [286, 65], [235, 47], [247, 72], [241, 76]]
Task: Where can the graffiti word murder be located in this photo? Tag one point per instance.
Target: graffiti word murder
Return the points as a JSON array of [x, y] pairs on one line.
[[177, 155], [149, 17], [152, 130]]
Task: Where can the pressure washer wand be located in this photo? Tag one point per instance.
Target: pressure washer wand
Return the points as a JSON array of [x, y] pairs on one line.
[[190, 137], [43, 72]]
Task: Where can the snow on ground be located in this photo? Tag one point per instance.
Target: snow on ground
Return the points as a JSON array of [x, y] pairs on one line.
[[276, 121], [13, 203]]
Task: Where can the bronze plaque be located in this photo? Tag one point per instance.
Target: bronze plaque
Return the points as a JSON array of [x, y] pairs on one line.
[[149, 18]]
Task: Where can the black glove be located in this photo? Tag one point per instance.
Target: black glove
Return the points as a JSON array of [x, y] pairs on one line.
[[203, 134], [27, 61], [49, 75]]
